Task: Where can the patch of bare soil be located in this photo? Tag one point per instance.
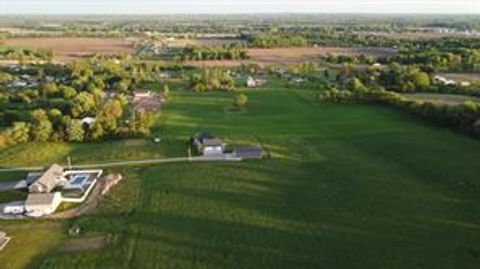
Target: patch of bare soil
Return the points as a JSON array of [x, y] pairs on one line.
[[293, 55], [84, 244], [72, 48]]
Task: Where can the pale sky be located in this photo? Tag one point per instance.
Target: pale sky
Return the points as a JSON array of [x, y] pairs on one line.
[[236, 6]]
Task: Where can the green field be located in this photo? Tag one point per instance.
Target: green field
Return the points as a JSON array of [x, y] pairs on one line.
[[347, 186]]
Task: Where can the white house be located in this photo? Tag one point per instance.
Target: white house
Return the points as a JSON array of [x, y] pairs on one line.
[[41, 204], [47, 180], [208, 145], [213, 146]]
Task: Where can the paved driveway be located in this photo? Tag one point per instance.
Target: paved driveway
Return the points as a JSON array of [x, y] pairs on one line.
[[8, 185]]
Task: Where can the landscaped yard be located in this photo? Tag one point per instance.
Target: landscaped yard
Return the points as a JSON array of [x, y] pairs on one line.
[[348, 186]]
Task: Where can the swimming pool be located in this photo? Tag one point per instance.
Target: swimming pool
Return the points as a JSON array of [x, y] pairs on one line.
[[77, 181]]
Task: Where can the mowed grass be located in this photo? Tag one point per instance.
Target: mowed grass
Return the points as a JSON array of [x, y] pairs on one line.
[[348, 186]]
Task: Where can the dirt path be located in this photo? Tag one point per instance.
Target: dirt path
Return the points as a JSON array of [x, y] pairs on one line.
[[85, 208], [221, 158]]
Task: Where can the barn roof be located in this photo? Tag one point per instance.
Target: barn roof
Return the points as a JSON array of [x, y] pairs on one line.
[[248, 152], [212, 142], [50, 177], [36, 199]]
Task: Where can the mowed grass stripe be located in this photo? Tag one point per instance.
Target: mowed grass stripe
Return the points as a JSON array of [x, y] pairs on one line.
[[349, 186]]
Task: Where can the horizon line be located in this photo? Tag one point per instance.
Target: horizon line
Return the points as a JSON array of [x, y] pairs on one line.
[[240, 13]]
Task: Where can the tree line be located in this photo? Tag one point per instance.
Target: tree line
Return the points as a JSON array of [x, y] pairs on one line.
[[226, 52]]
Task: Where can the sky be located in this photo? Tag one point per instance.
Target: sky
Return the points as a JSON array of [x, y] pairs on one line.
[[236, 6]]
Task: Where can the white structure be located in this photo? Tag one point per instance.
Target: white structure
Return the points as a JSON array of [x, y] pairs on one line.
[[87, 121], [80, 180], [19, 83], [14, 208], [465, 84], [48, 180], [141, 95], [444, 80], [212, 146], [3, 240], [41, 201], [251, 83], [208, 145], [41, 204]]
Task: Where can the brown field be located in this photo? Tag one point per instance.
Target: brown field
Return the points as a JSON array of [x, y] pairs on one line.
[[180, 43], [71, 48], [416, 35], [441, 99], [293, 55]]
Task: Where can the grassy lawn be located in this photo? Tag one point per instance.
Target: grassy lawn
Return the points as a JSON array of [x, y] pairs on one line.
[[348, 186], [28, 241]]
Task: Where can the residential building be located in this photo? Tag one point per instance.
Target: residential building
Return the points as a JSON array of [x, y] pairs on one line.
[[41, 204], [48, 180], [208, 144]]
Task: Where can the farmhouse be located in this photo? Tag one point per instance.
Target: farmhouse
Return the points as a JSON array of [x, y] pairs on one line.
[[48, 180], [208, 144], [248, 152], [41, 204], [3, 240]]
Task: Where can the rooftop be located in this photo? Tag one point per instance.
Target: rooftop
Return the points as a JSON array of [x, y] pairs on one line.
[[212, 142], [36, 199]]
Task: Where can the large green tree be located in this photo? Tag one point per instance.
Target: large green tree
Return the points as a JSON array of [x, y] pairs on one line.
[[41, 126], [74, 130]]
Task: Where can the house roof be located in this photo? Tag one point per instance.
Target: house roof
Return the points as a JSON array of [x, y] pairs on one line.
[[50, 177], [38, 199], [212, 142], [248, 151]]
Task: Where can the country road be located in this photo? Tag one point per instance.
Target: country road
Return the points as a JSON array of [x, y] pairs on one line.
[[218, 158]]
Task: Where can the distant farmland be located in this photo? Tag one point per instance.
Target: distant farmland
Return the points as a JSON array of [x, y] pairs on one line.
[[71, 48], [293, 55]]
